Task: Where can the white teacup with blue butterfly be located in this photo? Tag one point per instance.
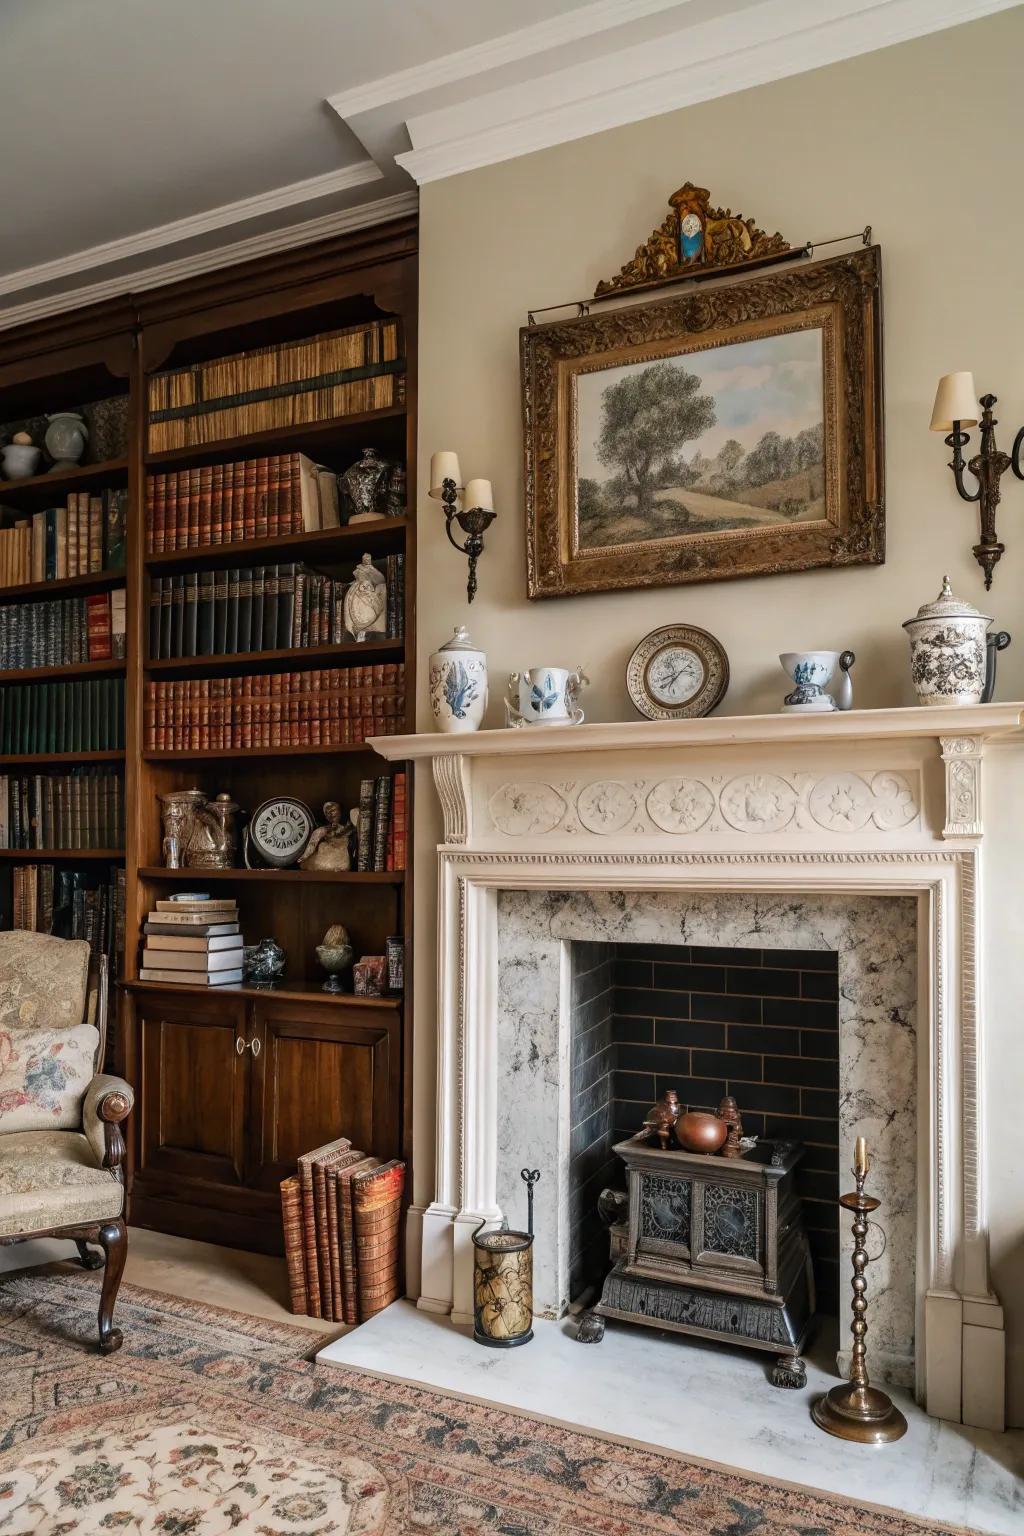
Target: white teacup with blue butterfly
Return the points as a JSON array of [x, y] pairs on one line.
[[545, 696]]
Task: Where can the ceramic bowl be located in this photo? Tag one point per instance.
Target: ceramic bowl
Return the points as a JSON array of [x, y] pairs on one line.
[[700, 1132], [20, 460], [813, 668]]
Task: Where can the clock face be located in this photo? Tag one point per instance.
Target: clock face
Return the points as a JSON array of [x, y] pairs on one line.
[[678, 672], [280, 830], [674, 675]]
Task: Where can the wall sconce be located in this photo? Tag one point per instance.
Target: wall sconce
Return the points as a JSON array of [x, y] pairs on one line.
[[956, 407], [477, 513]]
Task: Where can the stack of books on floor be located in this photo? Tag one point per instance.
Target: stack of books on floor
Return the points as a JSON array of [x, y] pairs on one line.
[[194, 941], [62, 633], [270, 497], [83, 537], [341, 1216]]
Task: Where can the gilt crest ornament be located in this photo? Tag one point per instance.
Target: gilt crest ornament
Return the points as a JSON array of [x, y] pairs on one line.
[[695, 237]]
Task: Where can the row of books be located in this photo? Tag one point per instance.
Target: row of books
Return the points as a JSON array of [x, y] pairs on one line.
[[85, 536], [62, 632], [71, 903], [195, 941], [341, 1214], [81, 809], [327, 706], [381, 844], [260, 608], [281, 493], [81, 716], [336, 373]]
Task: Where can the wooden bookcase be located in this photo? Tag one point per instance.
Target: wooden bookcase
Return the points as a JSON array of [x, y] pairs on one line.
[[234, 1083]]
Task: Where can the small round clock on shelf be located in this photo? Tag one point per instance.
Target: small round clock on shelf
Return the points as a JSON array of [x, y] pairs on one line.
[[278, 832], [678, 672]]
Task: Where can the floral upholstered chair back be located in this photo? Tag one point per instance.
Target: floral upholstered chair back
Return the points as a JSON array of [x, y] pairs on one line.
[[48, 1056]]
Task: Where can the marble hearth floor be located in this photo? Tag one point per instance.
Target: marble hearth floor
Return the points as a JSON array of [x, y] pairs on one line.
[[705, 1401]]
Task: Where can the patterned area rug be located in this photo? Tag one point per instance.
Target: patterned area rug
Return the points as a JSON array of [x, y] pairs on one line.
[[208, 1423]]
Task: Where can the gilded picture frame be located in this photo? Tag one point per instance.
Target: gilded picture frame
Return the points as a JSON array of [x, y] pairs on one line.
[[797, 356]]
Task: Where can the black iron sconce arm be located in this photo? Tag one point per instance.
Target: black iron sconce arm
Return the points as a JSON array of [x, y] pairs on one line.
[[988, 466], [474, 522]]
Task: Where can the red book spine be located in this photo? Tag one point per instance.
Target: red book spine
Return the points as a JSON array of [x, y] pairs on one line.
[[217, 504], [399, 820], [274, 495], [97, 609], [249, 499], [205, 534], [238, 501], [171, 531], [261, 525]]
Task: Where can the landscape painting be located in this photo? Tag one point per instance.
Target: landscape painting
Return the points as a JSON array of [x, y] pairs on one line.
[[732, 428], [721, 440]]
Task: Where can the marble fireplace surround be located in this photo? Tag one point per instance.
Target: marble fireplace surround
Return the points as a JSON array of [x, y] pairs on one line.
[[878, 804]]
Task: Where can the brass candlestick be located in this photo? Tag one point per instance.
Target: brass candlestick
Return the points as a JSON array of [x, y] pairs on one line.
[[855, 1410]]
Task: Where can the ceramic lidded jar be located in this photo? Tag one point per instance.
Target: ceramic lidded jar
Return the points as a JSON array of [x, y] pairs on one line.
[[458, 684], [948, 650]]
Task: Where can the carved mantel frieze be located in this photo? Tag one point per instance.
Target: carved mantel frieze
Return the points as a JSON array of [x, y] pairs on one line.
[[962, 757]]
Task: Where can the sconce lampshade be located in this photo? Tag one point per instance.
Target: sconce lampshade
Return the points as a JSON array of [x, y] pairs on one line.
[[444, 466], [479, 494], [955, 400]]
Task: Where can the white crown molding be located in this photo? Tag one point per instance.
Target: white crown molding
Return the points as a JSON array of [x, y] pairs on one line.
[[180, 230], [697, 63], [584, 21], [339, 222]]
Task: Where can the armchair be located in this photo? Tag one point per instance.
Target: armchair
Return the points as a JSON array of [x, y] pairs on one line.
[[62, 1150]]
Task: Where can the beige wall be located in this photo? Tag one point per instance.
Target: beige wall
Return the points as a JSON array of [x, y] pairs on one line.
[[923, 142]]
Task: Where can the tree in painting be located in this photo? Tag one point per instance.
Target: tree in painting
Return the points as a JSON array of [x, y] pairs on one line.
[[647, 417]]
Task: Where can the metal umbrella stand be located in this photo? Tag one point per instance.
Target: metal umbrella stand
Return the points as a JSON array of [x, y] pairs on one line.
[[503, 1280]]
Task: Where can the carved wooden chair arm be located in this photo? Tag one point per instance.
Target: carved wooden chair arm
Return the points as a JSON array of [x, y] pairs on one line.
[[108, 1101]]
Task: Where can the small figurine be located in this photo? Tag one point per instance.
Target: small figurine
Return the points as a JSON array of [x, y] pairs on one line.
[[729, 1111], [330, 846], [366, 602], [661, 1118], [369, 975]]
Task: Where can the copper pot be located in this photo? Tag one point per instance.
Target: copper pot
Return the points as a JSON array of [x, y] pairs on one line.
[[700, 1132]]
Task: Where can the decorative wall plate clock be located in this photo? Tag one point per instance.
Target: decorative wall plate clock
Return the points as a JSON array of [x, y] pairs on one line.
[[677, 672], [279, 830]]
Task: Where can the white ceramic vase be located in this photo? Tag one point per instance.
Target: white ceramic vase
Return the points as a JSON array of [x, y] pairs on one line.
[[948, 650], [458, 684]]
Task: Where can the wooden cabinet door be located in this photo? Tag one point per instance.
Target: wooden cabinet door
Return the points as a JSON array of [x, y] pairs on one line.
[[194, 1088], [323, 1071]]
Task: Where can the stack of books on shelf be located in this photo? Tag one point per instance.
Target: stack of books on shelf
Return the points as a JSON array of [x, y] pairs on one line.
[[341, 1216], [328, 706], [195, 941], [81, 809], [279, 494], [62, 717], [337, 373], [71, 904], [269, 607], [64, 632], [382, 817], [85, 536]]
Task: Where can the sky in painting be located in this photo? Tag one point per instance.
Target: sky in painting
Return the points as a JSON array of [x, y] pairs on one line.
[[772, 384]]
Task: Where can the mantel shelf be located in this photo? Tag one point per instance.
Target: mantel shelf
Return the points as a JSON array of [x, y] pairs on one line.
[[985, 720]]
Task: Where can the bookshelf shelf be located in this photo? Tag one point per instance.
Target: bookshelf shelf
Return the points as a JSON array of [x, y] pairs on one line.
[[287, 991], [381, 536], [80, 669], [58, 759], [66, 586], [47, 490], [268, 876], [348, 748], [341, 433], [296, 658], [61, 855]]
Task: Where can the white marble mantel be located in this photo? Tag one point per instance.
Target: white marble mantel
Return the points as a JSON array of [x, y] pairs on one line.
[[876, 802]]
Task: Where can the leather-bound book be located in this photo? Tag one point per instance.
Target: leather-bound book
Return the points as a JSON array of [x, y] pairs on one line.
[[305, 1174], [291, 1220], [376, 1212], [346, 1237], [342, 1158]]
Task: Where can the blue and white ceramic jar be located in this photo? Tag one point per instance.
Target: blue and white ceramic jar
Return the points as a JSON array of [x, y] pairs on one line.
[[458, 684]]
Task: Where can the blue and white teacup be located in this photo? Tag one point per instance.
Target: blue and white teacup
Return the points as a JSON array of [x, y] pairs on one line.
[[545, 696]]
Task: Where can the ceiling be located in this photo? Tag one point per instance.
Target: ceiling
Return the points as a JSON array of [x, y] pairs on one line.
[[149, 138]]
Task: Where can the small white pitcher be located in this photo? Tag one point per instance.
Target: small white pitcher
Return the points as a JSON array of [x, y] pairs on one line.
[[545, 696]]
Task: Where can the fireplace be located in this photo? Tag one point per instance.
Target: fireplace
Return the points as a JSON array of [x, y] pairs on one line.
[[856, 836], [760, 1024]]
